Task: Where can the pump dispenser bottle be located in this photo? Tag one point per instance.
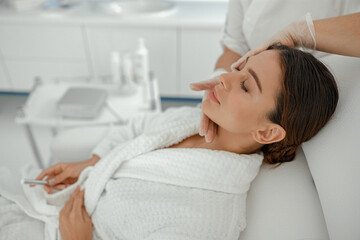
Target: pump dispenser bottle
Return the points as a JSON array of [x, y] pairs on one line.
[[116, 68], [142, 70]]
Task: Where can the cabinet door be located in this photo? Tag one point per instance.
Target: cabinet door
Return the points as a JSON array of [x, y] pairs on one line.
[[5, 84], [46, 50], [23, 72], [161, 43], [200, 50], [42, 41]]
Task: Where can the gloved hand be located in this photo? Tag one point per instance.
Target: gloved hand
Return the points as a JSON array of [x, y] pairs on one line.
[[207, 127], [297, 34]]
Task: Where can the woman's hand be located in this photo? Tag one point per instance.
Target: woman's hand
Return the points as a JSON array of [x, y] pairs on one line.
[[74, 222], [207, 127], [62, 175], [301, 33]]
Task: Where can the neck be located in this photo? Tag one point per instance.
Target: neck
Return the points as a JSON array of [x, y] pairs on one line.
[[227, 141]]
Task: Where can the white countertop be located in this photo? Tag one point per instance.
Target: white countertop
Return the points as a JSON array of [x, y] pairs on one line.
[[184, 14]]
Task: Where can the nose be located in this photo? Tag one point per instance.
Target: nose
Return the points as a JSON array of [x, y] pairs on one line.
[[224, 81]]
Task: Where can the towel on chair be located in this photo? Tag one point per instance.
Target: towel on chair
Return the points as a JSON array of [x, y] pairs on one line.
[[142, 190]]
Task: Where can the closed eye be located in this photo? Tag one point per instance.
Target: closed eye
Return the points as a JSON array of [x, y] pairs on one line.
[[243, 86]]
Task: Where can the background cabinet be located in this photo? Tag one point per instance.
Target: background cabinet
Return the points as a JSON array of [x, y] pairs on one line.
[[178, 55], [46, 50], [5, 84]]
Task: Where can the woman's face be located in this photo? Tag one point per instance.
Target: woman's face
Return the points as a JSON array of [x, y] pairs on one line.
[[240, 102]]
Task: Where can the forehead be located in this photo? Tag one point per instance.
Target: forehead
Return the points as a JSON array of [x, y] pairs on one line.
[[267, 66]]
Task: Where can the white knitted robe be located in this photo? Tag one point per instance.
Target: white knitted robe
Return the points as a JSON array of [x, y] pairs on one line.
[[139, 190]]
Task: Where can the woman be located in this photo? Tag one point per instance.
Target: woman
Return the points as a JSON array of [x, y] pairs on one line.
[[337, 35], [264, 111]]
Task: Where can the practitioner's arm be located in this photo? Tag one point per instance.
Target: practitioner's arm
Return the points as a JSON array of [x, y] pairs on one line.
[[74, 221], [226, 59], [339, 35]]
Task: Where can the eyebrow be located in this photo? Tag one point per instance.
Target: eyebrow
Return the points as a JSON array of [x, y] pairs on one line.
[[255, 76]]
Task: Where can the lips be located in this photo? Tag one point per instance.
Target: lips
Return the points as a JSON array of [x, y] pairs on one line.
[[213, 97]]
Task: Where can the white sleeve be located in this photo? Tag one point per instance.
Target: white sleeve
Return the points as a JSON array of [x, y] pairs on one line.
[[135, 126], [233, 36], [120, 134]]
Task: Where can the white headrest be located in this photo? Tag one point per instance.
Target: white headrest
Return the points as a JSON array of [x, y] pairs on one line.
[[333, 154]]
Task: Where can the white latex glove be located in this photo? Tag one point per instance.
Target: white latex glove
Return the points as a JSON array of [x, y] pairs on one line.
[[207, 127], [297, 34]]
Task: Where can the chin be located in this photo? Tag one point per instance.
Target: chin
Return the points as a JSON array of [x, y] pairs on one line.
[[210, 111]]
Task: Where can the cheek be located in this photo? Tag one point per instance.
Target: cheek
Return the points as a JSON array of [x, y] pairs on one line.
[[238, 117], [238, 113]]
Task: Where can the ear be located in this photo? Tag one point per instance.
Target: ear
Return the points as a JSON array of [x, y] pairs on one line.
[[270, 134]]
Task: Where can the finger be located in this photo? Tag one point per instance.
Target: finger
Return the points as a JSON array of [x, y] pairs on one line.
[[47, 189], [204, 125], [85, 214], [204, 85], [259, 49], [71, 200], [55, 169], [238, 63], [78, 200], [210, 134], [59, 178], [60, 187], [45, 173], [205, 96], [251, 53]]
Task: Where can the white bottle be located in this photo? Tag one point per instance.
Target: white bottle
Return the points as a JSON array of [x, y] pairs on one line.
[[128, 86], [116, 72], [142, 71]]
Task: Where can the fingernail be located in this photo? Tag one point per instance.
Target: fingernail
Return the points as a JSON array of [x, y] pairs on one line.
[[193, 87], [51, 181], [201, 133], [207, 140]]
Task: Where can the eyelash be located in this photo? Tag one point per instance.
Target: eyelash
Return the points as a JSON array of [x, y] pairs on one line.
[[243, 82], [243, 86]]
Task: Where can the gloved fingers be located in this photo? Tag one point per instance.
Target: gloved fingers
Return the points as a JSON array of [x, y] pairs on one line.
[[304, 32], [211, 132], [60, 186], [205, 85], [238, 63], [204, 125]]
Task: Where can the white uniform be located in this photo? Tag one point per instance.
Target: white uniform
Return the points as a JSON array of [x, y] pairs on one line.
[[251, 22]]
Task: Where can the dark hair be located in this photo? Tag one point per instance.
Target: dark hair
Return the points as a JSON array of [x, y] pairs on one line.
[[305, 104]]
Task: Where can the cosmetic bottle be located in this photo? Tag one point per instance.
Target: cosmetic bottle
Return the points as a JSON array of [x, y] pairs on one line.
[[128, 86], [142, 71], [116, 68]]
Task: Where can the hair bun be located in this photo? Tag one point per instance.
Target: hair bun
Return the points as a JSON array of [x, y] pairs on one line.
[[279, 152]]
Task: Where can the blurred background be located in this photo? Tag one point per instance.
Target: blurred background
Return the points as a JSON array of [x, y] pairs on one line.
[[72, 39]]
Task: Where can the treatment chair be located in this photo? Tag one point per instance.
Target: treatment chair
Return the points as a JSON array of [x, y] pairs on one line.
[[317, 196]]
